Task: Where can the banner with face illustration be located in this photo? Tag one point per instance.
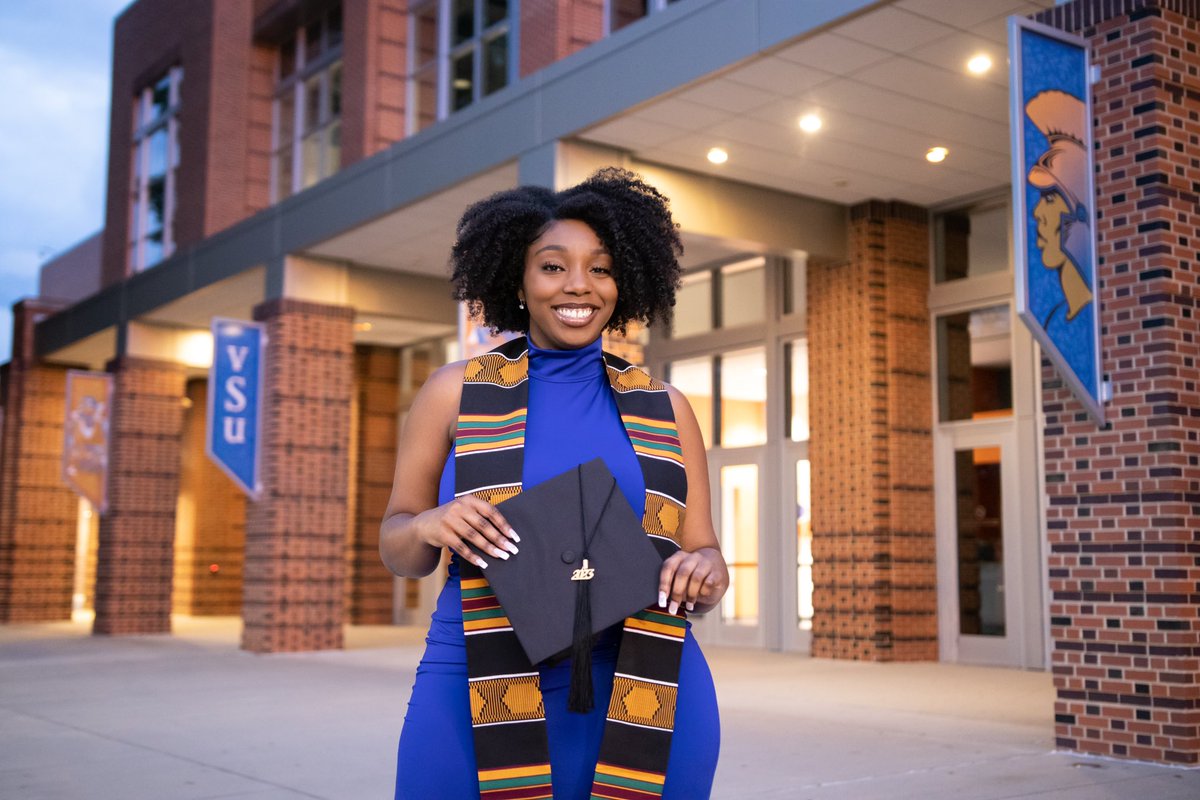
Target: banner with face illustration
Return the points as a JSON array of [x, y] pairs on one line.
[[1054, 208]]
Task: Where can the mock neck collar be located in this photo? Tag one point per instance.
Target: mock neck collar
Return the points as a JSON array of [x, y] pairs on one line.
[[566, 366]]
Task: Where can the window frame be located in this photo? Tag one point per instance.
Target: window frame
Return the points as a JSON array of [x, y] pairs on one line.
[[323, 67], [448, 53], [143, 133]]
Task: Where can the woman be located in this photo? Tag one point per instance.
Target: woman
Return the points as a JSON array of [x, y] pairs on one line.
[[563, 267]]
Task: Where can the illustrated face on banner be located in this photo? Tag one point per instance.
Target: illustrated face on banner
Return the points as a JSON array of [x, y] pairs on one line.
[[1060, 174]]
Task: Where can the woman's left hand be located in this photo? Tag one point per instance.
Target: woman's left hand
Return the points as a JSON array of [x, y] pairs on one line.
[[698, 578]]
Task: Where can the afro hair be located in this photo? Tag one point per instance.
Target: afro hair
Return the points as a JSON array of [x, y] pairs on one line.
[[631, 218]]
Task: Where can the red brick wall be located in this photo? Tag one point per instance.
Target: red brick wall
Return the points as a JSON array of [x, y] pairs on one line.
[[554, 29], [210, 522], [296, 535], [375, 59], [37, 511], [1123, 509], [135, 561], [875, 593]]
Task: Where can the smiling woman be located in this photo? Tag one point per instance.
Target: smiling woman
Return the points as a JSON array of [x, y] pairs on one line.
[[563, 268]]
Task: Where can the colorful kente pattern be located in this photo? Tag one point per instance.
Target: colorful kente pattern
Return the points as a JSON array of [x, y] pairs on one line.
[[507, 712]]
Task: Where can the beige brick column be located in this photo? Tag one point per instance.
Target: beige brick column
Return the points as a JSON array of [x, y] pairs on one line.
[[135, 560], [37, 511], [875, 593], [1124, 506], [296, 534], [373, 456]]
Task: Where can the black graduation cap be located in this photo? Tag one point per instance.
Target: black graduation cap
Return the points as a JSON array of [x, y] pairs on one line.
[[585, 563]]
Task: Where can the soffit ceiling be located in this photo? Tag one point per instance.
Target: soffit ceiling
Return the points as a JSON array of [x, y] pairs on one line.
[[888, 84]]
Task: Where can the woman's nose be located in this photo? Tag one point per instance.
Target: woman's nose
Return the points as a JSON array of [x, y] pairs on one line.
[[578, 281]]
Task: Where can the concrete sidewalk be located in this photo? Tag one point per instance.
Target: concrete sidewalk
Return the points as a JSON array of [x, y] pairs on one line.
[[190, 716]]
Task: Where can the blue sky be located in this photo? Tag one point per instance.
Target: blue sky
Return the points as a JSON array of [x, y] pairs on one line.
[[55, 60]]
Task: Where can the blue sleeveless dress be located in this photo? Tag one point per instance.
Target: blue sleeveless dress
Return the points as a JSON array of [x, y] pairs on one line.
[[572, 419]]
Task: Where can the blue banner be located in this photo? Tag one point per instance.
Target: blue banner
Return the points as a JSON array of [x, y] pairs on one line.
[[235, 401], [1054, 203]]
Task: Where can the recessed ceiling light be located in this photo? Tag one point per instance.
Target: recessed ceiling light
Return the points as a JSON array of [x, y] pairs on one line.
[[979, 64], [810, 123], [718, 156], [936, 155]]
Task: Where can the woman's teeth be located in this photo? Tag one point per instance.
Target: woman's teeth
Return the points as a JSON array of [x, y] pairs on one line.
[[575, 314]]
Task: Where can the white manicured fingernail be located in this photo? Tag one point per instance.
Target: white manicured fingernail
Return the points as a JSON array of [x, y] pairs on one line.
[[479, 562], [512, 548], [673, 608], [500, 554], [690, 606], [513, 535], [662, 599]]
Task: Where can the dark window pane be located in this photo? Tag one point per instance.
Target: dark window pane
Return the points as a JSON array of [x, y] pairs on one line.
[[156, 197], [974, 364], [462, 80], [312, 102], [283, 183], [287, 58], [287, 117], [335, 90], [160, 98], [334, 26], [980, 542], [627, 11], [312, 41], [462, 18], [495, 55], [494, 11]]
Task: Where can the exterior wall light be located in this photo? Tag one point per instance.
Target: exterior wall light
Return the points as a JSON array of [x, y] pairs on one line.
[[718, 155], [937, 155]]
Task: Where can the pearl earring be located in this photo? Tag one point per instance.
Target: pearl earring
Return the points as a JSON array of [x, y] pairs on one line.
[[521, 304]]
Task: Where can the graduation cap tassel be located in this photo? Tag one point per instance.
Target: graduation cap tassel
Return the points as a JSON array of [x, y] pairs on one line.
[[580, 698]]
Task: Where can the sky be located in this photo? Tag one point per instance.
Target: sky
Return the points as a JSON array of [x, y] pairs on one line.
[[55, 60]]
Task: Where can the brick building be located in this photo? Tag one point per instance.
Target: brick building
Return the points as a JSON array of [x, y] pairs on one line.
[[896, 473]]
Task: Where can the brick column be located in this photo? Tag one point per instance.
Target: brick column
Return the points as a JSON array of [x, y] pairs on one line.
[[1123, 515], [38, 513], [875, 593], [373, 455], [293, 595], [135, 561]]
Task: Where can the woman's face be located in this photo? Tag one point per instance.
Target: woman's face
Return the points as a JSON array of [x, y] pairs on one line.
[[568, 286]]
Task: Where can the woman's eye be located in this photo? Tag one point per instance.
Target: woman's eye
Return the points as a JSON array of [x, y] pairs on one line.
[[602, 270], [552, 267]]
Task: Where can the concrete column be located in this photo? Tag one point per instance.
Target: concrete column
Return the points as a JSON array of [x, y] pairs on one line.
[[875, 592], [1123, 513], [135, 561], [37, 511], [296, 535]]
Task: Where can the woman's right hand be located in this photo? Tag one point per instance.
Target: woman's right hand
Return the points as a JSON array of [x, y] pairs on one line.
[[468, 520]]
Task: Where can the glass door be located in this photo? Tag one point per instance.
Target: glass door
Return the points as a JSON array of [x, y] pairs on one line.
[[980, 547]]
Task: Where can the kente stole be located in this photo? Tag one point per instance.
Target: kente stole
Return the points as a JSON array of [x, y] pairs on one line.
[[507, 713]]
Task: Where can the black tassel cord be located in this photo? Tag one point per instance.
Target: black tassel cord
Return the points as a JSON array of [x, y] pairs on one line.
[[580, 699]]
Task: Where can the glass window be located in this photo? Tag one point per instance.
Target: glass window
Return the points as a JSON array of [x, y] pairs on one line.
[[693, 305], [623, 12], [980, 541], [975, 364], [694, 377], [154, 160], [971, 241], [743, 293], [495, 74], [479, 58], [308, 105], [795, 279], [796, 361], [804, 557], [739, 542], [744, 398]]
